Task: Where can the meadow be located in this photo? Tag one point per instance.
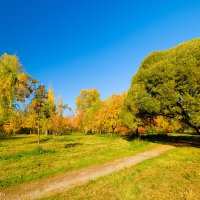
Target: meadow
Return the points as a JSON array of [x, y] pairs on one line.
[[23, 160], [175, 175]]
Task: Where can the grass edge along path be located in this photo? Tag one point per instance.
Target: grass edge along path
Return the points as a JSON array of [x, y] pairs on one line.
[[21, 162], [65, 181]]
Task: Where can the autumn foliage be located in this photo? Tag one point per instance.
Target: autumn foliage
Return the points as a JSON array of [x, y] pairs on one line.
[[27, 107]]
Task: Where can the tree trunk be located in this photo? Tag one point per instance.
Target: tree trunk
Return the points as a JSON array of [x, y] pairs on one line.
[[38, 134], [192, 126], [38, 128], [138, 134], [113, 129], [86, 130], [187, 119], [197, 130]]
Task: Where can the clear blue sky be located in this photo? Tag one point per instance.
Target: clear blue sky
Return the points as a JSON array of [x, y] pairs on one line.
[[84, 44]]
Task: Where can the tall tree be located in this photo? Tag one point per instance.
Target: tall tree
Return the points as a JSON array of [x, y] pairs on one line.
[[166, 84], [87, 102], [60, 106], [48, 109], [15, 86], [37, 104], [107, 119], [86, 99]]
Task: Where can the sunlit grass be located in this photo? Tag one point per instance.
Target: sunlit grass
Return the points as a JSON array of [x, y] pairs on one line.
[[22, 160], [173, 176]]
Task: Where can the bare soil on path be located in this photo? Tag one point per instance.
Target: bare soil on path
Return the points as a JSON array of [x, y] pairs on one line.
[[60, 183]]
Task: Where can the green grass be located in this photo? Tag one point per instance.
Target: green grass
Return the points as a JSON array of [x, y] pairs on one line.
[[26, 154], [173, 176], [22, 161]]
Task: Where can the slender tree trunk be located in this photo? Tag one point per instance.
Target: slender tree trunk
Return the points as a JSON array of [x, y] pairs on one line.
[[86, 130], [113, 130], [38, 128], [38, 135], [138, 134]]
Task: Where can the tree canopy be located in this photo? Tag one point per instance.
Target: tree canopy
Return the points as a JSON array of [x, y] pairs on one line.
[[166, 84], [86, 99], [15, 85]]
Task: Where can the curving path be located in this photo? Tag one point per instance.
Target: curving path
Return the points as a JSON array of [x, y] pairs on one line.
[[62, 182]]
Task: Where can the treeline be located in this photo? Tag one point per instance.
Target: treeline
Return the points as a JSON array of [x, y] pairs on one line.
[[99, 116], [105, 116], [164, 97], [25, 105]]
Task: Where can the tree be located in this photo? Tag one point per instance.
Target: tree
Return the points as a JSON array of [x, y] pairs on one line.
[[86, 99], [106, 118], [15, 86], [48, 109], [38, 103], [60, 106], [15, 123], [49, 105], [29, 121], [87, 103], [167, 84], [60, 124]]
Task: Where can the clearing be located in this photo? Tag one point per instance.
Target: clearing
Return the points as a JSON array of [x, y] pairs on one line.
[[63, 161], [61, 183], [22, 161]]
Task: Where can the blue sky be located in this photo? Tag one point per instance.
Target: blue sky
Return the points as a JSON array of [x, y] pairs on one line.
[[76, 44]]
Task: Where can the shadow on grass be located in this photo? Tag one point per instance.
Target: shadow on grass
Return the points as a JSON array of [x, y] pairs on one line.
[[70, 145], [13, 137], [41, 141], [174, 140]]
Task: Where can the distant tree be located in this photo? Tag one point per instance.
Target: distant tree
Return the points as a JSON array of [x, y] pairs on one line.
[[50, 104], [48, 109], [60, 124], [29, 120], [167, 84], [60, 106], [86, 99], [107, 116], [87, 102], [37, 104]]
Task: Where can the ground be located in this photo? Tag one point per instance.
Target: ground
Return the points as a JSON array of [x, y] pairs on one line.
[[22, 161], [175, 175]]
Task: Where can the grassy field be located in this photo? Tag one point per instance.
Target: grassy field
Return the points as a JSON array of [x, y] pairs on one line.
[[173, 176], [21, 160]]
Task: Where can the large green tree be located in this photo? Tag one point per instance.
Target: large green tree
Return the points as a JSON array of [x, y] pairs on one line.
[[166, 84]]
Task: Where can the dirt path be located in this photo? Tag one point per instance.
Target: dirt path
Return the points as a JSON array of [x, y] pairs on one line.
[[62, 182]]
